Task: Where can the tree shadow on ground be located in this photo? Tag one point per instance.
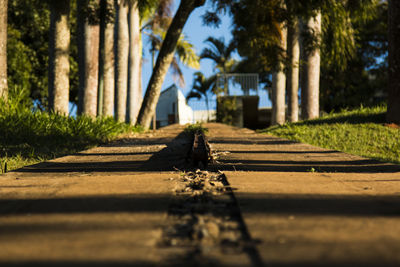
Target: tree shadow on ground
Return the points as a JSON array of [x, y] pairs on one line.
[[350, 119], [172, 156], [260, 154]]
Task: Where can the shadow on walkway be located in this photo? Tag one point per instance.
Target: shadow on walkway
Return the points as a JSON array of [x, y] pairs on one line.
[[270, 154], [170, 157]]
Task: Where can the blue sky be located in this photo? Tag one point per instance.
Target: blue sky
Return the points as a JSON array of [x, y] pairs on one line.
[[196, 33]]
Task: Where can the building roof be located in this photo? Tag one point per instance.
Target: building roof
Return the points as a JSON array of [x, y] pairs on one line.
[[173, 86]]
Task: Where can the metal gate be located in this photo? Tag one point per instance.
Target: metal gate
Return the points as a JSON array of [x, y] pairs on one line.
[[231, 84]]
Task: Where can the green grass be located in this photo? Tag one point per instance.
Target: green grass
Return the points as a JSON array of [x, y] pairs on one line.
[[28, 137], [194, 128], [360, 132]]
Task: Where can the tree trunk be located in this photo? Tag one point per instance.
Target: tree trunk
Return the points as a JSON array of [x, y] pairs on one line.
[[207, 106], [278, 88], [134, 94], [164, 60], [293, 50], [59, 57], [81, 52], [88, 45], [108, 66], [122, 61], [393, 104], [92, 41], [3, 50], [310, 74]]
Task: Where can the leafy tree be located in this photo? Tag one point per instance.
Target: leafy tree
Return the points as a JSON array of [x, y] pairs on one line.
[[28, 50], [220, 53], [257, 29], [201, 87], [363, 79], [28, 47], [341, 21]]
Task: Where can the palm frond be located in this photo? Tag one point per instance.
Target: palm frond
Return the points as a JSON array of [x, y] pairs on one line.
[[193, 94], [177, 72], [187, 54]]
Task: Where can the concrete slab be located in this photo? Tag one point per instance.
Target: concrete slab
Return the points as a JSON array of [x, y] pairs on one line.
[[104, 206], [107, 206], [309, 206]]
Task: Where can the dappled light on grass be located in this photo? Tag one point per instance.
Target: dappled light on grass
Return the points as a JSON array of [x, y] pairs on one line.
[[28, 137], [361, 132]]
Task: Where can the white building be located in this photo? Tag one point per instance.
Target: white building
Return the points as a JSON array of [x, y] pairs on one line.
[[172, 108], [204, 115]]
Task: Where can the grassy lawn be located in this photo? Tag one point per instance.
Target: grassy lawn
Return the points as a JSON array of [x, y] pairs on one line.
[[28, 137], [360, 132]]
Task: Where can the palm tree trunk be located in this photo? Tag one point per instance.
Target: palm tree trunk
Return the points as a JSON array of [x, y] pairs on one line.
[[59, 56], [81, 52], [3, 49], [293, 50], [108, 67], [278, 88], [393, 105], [92, 69], [90, 96], [164, 60], [122, 61], [207, 106], [134, 93], [310, 74], [88, 62]]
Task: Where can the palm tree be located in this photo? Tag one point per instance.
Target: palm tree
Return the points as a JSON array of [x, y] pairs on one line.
[[279, 85], [108, 61], [88, 54], [135, 58], [3, 49], [332, 34], [393, 112], [221, 55], [311, 71], [156, 27], [200, 88], [122, 60], [164, 59], [59, 56], [292, 75]]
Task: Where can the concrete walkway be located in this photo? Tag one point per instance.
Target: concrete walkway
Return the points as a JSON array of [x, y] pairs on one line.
[[309, 206], [107, 206]]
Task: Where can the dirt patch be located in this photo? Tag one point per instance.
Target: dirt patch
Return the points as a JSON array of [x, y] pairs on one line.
[[392, 125]]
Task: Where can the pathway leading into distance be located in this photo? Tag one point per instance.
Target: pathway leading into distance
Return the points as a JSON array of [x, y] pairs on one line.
[[111, 206]]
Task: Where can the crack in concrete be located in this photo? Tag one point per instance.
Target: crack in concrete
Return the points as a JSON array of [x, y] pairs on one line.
[[204, 219]]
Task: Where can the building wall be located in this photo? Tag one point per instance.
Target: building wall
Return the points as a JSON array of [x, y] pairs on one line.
[[201, 115], [166, 107], [172, 108]]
